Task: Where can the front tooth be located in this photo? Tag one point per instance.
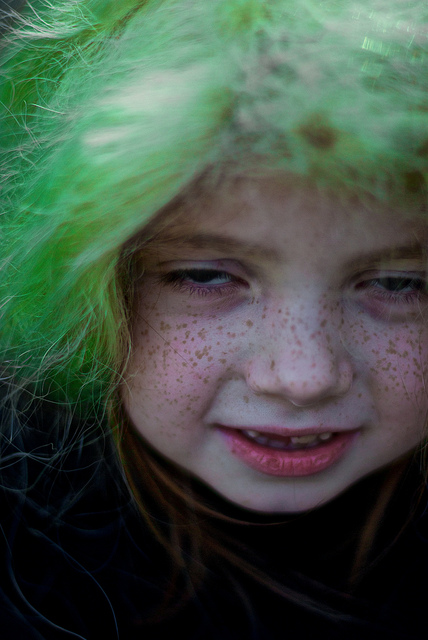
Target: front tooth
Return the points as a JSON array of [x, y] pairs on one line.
[[325, 436], [251, 433], [303, 439], [257, 436]]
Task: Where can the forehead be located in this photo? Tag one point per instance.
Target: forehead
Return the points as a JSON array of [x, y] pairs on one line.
[[263, 216]]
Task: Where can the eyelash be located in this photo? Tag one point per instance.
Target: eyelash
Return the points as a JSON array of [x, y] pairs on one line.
[[377, 288], [418, 286], [181, 279]]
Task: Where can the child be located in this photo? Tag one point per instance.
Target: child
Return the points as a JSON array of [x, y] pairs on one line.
[[214, 319]]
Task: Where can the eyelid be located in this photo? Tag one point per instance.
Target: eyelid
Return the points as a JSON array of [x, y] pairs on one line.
[[392, 272], [195, 261], [227, 265]]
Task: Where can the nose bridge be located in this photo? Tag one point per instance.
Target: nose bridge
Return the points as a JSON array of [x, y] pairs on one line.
[[299, 352]]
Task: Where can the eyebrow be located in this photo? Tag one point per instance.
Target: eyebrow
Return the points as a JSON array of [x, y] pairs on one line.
[[219, 242], [414, 250]]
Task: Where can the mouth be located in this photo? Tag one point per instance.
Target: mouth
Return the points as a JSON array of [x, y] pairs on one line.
[[288, 443], [288, 454]]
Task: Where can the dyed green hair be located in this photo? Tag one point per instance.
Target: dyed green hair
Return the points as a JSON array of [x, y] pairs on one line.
[[111, 109]]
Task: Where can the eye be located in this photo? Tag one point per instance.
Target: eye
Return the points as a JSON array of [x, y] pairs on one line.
[[202, 281], [400, 284], [396, 284], [402, 291], [198, 276]]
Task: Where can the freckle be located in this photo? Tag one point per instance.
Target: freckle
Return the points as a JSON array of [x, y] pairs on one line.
[[249, 323], [222, 360], [323, 323], [272, 365], [246, 399], [219, 328], [263, 316], [279, 310]]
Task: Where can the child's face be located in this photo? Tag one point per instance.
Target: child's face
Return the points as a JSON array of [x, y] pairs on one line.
[[272, 313]]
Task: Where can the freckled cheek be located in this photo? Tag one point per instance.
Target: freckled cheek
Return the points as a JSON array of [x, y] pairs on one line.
[[174, 373], [187, 353], [396, 363]]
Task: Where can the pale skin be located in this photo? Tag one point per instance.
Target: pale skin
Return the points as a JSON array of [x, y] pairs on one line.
[[273, 307]]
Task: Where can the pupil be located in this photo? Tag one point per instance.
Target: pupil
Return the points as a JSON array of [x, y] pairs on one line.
[[203, 276], [397, 284]]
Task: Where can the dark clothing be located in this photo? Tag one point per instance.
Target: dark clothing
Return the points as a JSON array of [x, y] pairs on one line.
[[79, 563]]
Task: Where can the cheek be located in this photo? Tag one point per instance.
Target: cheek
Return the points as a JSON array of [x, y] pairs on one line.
[[400, 361], [395, 360], [175, 370]]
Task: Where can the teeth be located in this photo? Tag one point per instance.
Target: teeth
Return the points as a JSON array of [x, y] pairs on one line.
[[303, 439], [252, 434], [294, 442]]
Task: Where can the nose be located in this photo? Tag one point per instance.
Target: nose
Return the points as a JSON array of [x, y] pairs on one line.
[[300, 358]]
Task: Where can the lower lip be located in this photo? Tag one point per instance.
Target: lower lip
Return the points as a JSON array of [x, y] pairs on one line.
[[287, 464]]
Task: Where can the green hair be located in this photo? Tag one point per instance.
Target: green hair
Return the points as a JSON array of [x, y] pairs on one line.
[[110, 110]]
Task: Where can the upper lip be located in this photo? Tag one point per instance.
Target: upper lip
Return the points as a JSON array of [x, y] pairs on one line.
[[285, 431]]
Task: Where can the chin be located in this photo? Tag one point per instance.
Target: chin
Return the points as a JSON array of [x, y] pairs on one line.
[[292, 498]]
